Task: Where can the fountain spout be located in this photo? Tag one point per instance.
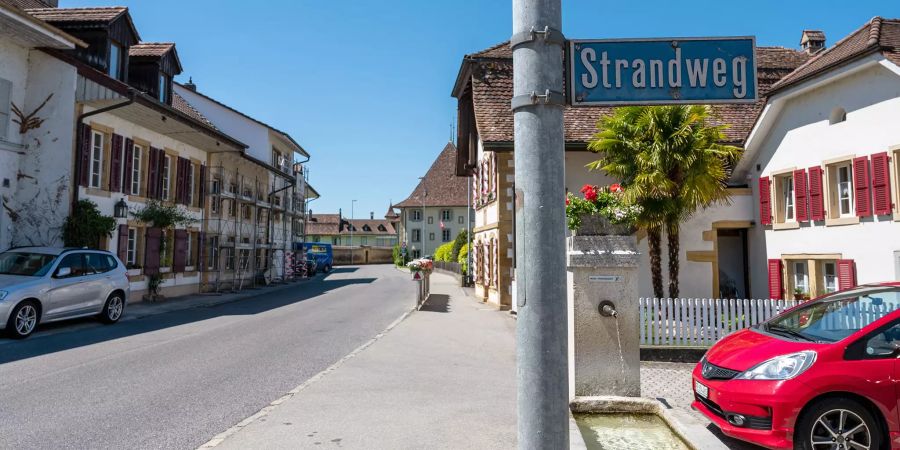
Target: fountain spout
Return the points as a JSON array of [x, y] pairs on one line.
[[608, 309]]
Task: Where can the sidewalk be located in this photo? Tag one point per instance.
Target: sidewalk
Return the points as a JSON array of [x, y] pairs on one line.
[[442, 378]]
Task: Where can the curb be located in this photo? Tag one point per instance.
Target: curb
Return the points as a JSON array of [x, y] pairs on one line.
[[221, 437]]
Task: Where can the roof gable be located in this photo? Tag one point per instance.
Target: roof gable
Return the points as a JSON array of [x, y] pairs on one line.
[[877, 35], [162, 52], [440, 186], [70, 19]]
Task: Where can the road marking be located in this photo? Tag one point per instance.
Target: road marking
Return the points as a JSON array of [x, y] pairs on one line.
[[221, 437]]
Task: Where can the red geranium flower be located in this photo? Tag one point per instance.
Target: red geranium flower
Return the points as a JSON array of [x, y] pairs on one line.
[[567, 201], [590, 195], [615, 187], [586, 188]]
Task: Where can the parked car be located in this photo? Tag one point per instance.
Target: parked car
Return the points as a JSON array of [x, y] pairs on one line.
[[322, 254], [44, 284], [822, 375]]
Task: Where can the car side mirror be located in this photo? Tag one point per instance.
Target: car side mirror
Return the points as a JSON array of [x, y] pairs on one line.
[[63, 272]]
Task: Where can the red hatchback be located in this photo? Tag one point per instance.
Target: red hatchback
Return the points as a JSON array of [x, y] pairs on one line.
[[823, 375]]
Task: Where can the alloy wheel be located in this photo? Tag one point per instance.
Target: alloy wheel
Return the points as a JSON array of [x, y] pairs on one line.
[[840, 429], [114, 310], [26, 319]]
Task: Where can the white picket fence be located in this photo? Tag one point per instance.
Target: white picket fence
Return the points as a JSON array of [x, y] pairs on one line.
[[701, 322]]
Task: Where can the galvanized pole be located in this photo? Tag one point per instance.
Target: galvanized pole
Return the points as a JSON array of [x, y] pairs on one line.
[[538, 102]]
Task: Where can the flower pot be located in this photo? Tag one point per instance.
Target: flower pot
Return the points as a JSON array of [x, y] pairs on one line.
[[596, 225]]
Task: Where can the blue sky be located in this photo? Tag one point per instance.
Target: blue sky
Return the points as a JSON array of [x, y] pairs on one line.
[[365, 85]]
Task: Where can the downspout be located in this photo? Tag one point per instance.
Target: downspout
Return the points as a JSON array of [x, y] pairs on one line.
[[305, 202], [79, 141]]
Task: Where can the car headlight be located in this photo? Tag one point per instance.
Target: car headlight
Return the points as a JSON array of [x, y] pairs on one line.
[[782, 367], [3, 294]]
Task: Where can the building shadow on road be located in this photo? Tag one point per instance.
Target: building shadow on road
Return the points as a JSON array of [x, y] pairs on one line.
[[436, 303], [342, 270], [84, 333]]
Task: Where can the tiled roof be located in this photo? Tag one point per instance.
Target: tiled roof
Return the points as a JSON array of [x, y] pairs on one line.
[[492, 89], [180, 104], [811, 35], [878, 34], [391, 214], [333, 225], [26, 4], [106, 14], [156, 49], [441, 184]]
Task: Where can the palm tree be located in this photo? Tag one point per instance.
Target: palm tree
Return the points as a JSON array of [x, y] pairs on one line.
[[671, 160]]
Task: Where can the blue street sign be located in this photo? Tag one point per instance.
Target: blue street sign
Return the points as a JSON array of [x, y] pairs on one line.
[[662, 71]]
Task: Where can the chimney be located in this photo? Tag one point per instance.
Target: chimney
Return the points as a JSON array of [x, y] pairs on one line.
[[811, 41], [190, 84], [372, 215]]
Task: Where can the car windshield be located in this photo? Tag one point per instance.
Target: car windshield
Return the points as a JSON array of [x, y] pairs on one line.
[[833, 318], [25, 263]]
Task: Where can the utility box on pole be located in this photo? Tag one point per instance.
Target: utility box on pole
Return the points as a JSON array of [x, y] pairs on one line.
[[538, 102]]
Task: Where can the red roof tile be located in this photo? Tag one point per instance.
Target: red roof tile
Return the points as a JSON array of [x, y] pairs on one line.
[[180, 104], [878, 34], [106, 14], [156, 49], [441, 186], [333, 225]]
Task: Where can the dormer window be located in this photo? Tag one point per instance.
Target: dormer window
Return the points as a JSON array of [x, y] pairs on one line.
[[115, 61], [163, 88]]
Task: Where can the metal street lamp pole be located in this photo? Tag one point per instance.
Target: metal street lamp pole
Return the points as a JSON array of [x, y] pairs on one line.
[[541, 328], [352, 204], [424, 223]]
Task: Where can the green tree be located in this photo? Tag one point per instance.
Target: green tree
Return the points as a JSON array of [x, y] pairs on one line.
[[443, 252], [461, 239], [463, 258], [86, 226], [673, 164]]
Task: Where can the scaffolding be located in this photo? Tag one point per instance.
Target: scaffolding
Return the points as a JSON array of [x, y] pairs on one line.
[[250, 222]]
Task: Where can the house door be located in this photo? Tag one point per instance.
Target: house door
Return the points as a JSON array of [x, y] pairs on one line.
[[734, 280]]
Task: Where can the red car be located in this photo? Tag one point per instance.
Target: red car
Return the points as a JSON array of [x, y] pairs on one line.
[[823, 375]]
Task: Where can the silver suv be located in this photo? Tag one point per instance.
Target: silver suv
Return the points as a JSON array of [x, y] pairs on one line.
[[46, 284]]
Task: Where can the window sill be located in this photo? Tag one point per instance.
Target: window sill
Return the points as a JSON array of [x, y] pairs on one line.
[[841, 221], [786, 226], [97, 192]]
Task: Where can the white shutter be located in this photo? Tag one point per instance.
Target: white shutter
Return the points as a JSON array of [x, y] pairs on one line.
[[5, 99]]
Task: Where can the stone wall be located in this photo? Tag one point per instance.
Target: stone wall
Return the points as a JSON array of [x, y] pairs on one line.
[[363, 255]]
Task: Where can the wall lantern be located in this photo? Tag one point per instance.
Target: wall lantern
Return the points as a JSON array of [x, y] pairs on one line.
[[120, 211]]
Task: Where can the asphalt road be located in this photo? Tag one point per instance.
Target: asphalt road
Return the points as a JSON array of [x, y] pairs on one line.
[[177, 379]]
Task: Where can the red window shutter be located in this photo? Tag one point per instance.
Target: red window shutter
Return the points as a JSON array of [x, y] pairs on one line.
[[151, 251], [775, 280], [85, 156], [816, 199], [179, 181], [846, 272], [800, 195], [115, 164], [881, 184], [160, 160], [122, 250], [127, 165], [202, 185], [765, 201], [152, 172], [179, 256], [861, 187]]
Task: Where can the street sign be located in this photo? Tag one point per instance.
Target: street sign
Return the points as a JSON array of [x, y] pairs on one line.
[[662, 71], [417, 276]]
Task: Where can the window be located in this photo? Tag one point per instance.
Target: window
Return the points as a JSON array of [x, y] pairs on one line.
[[190, 185], [163, 88], [787, 194], [214, 205], [115, 61], [5, 106], [446, 215], [416, 254], [231, 208], [416, 235], [416, 215], [97, 143], [166, 176], [445, 235], [801, 279], [247, 212], [229, 258], [430, 220], [461, 220], [216, 185], [75, 262], [136, 169], [131, 252], [98, 262], [278, 159], [364, 240], [335, 241], [844, 191], [25, 263], [829, 275], [430, 236], [213, 262], [189, 250]]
